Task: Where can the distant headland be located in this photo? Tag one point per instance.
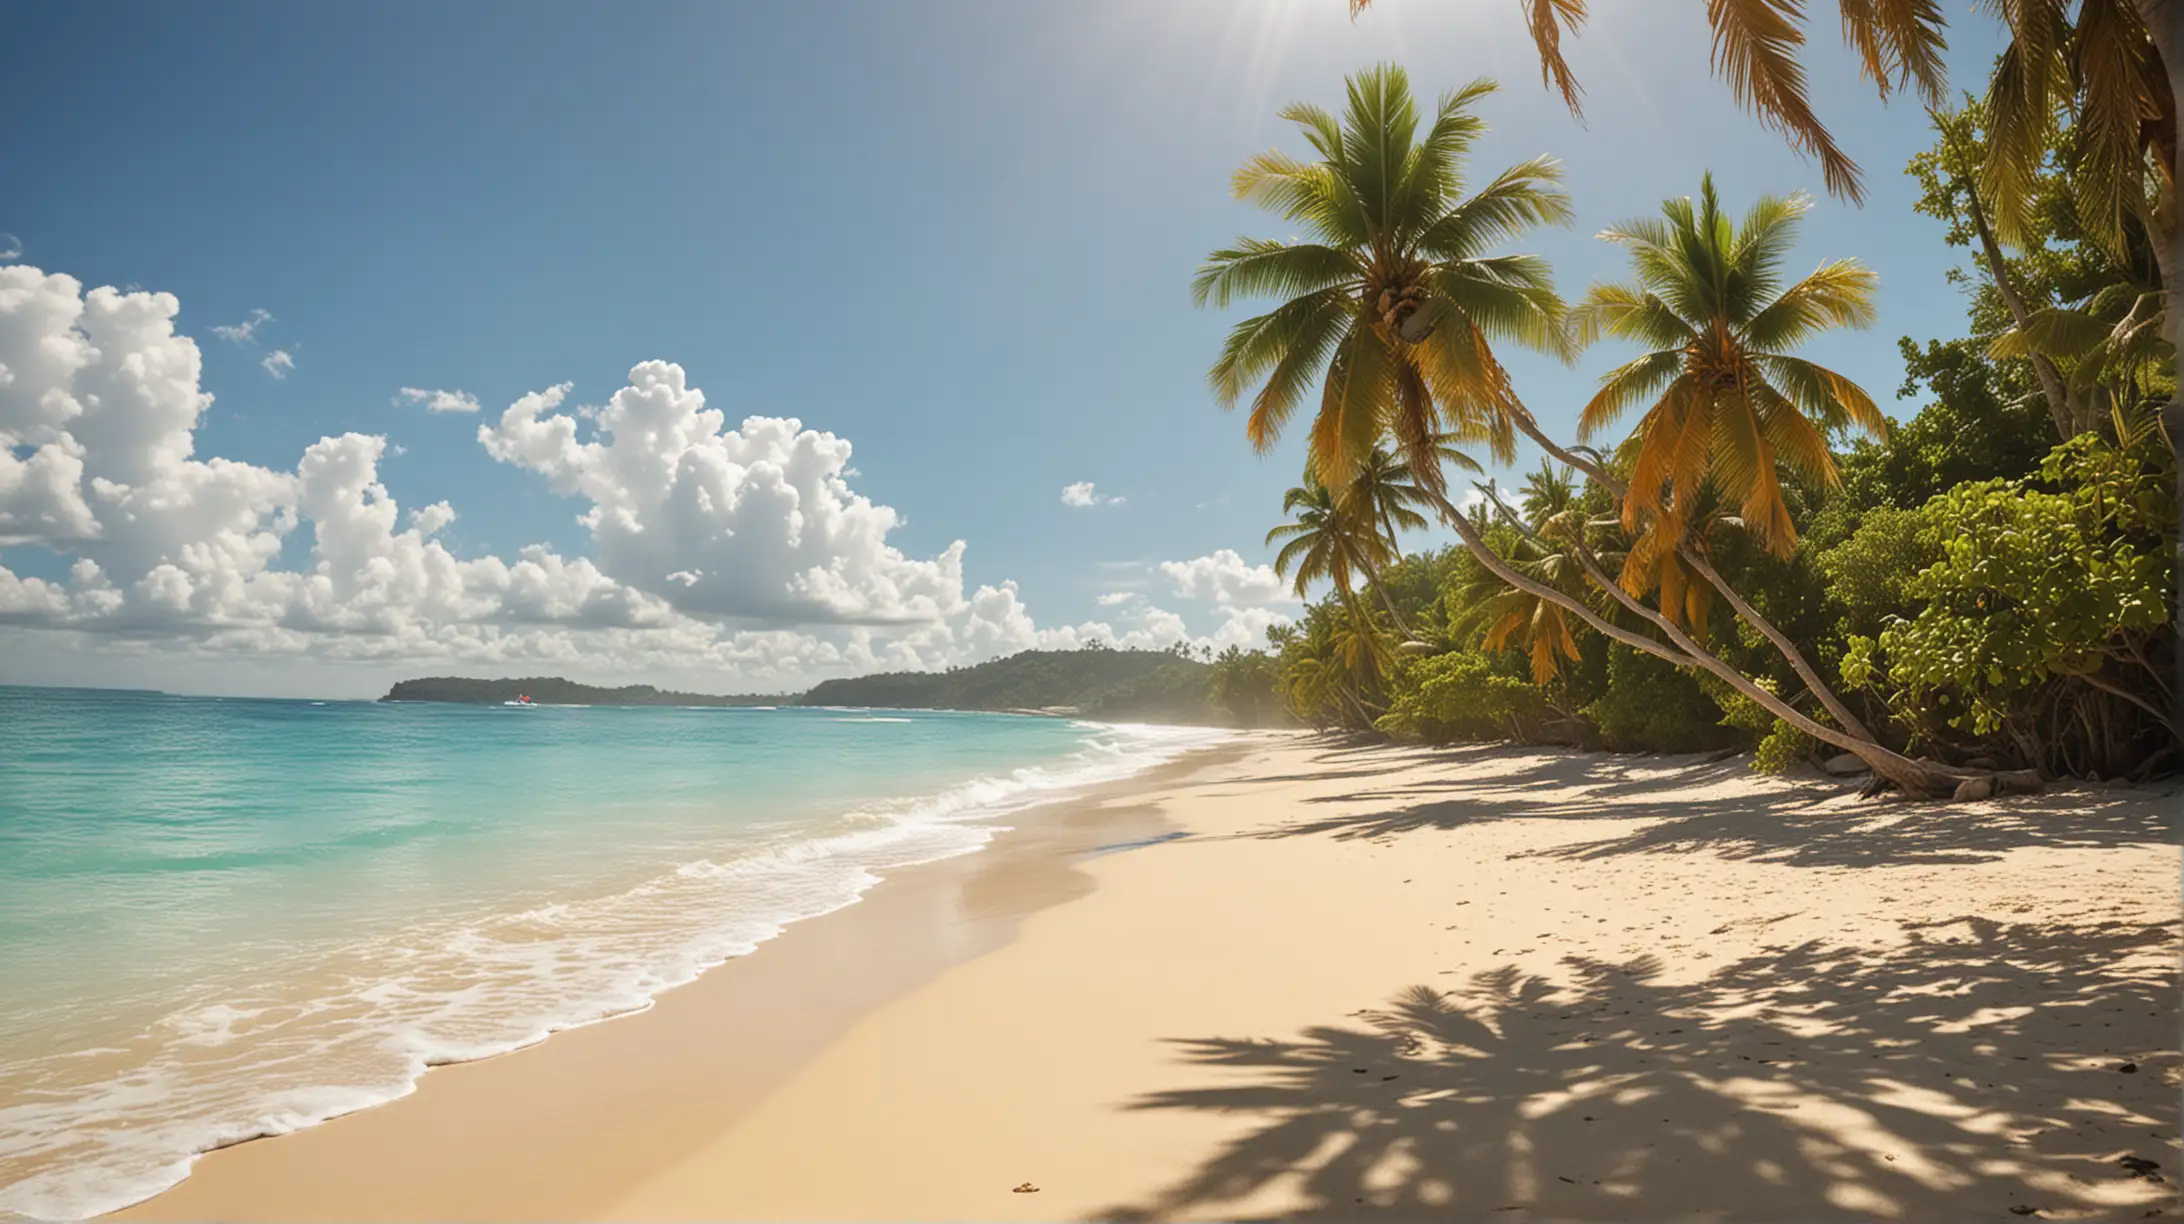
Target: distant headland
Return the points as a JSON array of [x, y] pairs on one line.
[[1122, 685]]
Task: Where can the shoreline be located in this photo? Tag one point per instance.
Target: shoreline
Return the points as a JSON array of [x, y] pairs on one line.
[[831, 968], [1525, 984]]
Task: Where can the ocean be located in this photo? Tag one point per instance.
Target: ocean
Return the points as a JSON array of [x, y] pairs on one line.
[[223, 918]]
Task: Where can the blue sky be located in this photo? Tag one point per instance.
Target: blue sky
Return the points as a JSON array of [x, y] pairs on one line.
[[958, 235]]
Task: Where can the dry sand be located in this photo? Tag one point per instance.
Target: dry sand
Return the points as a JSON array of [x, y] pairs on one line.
[[1471, 984]]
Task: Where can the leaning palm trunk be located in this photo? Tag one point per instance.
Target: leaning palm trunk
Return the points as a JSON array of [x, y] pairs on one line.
[[1912, 777], [1750, 615], [1372, 579]]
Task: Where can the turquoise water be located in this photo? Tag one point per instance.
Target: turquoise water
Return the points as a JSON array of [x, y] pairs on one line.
[[226, 918]]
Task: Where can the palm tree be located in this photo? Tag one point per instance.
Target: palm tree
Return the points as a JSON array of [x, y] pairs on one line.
[[1326, 538], [1729, 402], [1336, 537], [1387, 488], [1394, 312], [1332, 664], [1663, 558], [1517, 619], [2116, 66], [1548, 492], [1392, 302], [1520, 620]]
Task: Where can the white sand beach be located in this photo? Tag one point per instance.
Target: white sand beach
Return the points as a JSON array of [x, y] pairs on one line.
[[1476, 984]]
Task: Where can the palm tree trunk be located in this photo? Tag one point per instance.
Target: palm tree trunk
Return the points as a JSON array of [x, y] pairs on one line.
[[1914, 777], [2063, 408], [1744, 610], [1372, 579], [1843, 717]]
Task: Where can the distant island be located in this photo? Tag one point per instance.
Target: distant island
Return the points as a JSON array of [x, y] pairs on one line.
[[1116, 685], [552, 690], [1147, 685]]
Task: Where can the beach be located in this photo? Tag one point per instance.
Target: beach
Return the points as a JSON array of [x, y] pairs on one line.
[[1291, 976]]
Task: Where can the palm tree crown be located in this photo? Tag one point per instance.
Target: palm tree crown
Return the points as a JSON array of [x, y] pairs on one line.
[[1326, 538], [1728, 401], [1392, 298]]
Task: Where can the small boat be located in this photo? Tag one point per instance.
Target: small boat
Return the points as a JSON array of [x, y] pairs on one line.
[[521, 700]]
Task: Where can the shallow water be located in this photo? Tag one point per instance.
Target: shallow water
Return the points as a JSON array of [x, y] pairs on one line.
[[224, 918]]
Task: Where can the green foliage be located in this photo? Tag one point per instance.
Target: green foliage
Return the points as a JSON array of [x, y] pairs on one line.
[[1246, 684], [1868, 573], [1780, 747], [2039, 600], [1652, 706], [1464, 695], [1783, 748]]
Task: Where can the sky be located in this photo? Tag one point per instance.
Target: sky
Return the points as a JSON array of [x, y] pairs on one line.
[[729, 347]]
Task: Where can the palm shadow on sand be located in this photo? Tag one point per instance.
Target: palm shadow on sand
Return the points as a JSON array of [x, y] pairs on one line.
[[1973, 1070], [1811, 823], [1811, 1082]]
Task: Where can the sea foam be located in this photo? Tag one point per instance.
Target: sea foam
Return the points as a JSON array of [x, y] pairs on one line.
[[357, 1025]]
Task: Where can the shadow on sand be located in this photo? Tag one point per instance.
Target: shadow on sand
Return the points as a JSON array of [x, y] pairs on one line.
[[1813, 1082], [1807, 824], [1983, 1070]]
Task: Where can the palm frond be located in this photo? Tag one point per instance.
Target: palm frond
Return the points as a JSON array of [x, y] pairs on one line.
[[1756, 43], [1379, 125], [1289, 339], [1257, 267], [1520, 199], [2029, 81], [1839, 293], [1434, 172], [1510, 297], [1627, 312], [1360, 380], [1899, 43], [1547, 20], [2110, 51], [1645, 378], [1829, 399]]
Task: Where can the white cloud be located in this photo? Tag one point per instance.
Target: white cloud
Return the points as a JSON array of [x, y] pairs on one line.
[[11, 247], [245, 332], [280, 363], [732, 558], [1224, 577], [438, 401], [760, 518], [1083, 494], [1113, 598]]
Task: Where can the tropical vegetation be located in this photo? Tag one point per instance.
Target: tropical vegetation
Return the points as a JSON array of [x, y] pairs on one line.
[[1740, 551]]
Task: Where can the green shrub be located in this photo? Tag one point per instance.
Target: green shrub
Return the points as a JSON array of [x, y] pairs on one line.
[[1461, 695], [2031, 590], [1650, 705]]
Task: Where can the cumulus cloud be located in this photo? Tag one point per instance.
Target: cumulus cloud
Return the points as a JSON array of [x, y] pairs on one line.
[[756, 522], [279, 363], [1112, 598], [1083, 494], [245, 332], [1224, 577], [11, 247], [438, 401], [743, 556]]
